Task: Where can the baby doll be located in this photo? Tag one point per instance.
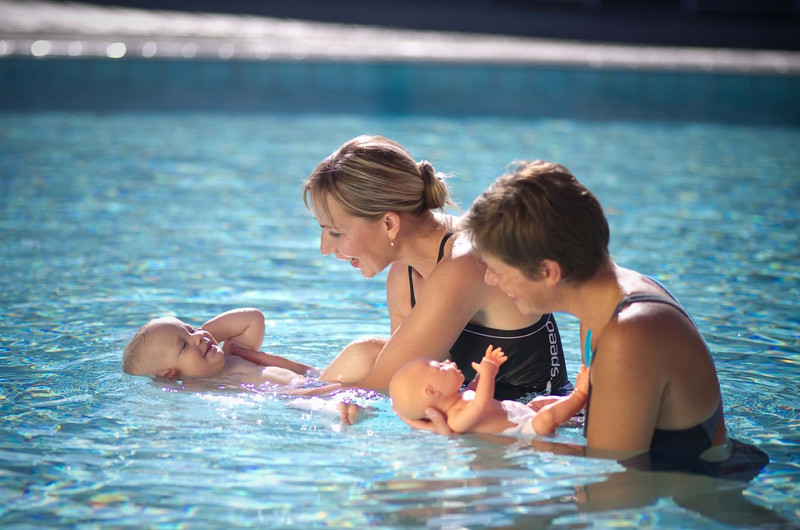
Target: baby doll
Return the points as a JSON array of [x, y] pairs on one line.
[[424, 383]]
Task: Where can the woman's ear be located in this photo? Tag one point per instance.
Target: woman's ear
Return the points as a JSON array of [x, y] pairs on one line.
[[391, 224], [551, 272]]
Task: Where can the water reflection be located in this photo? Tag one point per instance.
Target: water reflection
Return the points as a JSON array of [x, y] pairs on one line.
[[539, 484], [97, 241]]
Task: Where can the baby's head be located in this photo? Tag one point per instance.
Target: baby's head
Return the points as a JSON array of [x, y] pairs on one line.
[[167, 347], [422, 383]]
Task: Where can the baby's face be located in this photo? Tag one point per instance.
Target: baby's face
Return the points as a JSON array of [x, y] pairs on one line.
[[172, 344]]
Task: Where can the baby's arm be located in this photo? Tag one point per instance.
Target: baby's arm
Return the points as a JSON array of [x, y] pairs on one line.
[[466, 418], [243, 326], [242, 331], [269, 359], [549, 417]]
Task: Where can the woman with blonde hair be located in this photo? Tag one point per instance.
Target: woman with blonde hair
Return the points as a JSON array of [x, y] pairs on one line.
[[378, 208]]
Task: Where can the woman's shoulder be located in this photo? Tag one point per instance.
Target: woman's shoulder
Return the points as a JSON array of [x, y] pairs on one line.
[[650, 332], [463, 259], [456, 272]]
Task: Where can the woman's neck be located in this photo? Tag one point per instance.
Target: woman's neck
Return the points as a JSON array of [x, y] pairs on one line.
[[594, 300], [421, 237]]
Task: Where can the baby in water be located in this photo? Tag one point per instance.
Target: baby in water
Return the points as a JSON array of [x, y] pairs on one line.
[[172, 349]]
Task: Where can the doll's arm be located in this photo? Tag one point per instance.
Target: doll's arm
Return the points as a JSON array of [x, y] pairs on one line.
[[466, 418], [243, 326], [549, 417]]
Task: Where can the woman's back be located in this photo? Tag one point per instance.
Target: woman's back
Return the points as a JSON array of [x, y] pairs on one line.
[[651, 349]]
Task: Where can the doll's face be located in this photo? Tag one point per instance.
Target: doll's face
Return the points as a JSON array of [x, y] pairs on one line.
[[444, 376], [422, 383]]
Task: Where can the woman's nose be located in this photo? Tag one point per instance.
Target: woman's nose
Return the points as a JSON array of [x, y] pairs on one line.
[[489, 278], [325, 246]]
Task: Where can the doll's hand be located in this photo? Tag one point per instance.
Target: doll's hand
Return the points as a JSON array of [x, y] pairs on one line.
[[490, 364], [495, 355]]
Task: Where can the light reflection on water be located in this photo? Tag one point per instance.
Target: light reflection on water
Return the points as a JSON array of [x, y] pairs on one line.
[[109, 220]]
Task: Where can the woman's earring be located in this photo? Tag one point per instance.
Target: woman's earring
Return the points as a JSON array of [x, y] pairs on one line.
[[391, 242]]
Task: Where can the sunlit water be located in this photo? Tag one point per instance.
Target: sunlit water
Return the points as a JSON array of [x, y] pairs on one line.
[[110, 219]]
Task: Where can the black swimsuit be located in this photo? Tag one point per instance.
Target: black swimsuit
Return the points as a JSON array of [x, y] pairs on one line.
[[535, 355], [682, 449]]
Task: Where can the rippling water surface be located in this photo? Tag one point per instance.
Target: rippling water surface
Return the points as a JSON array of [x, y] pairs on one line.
[[110, 219]]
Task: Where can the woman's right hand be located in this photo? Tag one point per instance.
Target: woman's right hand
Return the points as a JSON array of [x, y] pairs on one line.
[[435, 422]]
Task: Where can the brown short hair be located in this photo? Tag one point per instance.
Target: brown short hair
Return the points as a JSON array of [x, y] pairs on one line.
[[540, 211]]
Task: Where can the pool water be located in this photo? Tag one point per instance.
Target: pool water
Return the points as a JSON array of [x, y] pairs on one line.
[[111, 218]]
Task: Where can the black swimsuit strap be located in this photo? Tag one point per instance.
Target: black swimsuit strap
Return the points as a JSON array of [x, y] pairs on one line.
[[447, 236], [649, 297], [411, 285], [667, 299]]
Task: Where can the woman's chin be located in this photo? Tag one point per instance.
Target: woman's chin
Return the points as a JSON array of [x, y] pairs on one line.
[[367, 274]]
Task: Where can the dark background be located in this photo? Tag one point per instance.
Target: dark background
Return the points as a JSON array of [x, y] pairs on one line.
[[762, 24]]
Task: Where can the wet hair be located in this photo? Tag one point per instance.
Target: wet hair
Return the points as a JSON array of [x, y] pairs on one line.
[[371, 175], [134, 361], [540, 211]]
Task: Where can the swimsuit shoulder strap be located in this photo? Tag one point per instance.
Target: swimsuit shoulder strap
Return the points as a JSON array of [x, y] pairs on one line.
[[411, 285], [447, 236], [630, 299], [649, 297]]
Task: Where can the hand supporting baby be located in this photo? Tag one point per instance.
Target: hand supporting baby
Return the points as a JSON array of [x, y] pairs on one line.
[[488, 367]]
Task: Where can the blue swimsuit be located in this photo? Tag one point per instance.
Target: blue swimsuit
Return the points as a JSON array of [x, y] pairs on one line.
[[681, 449], [535, 355]]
